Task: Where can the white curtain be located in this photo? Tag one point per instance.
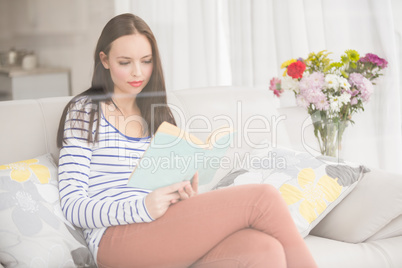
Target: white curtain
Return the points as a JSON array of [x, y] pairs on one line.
[[192, 39], [243, 43]]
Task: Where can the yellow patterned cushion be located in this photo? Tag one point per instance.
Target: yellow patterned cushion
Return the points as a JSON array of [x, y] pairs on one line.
[[311, 186], [33, 230]]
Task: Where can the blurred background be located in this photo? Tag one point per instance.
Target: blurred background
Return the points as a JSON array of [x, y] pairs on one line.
[[211, 43], [203, 42]]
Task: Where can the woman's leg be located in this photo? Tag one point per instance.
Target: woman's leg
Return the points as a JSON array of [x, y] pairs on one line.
[[247, 248], [191, 228]]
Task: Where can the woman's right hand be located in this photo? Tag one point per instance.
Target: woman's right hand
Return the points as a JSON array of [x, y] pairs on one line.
[[158, 201]]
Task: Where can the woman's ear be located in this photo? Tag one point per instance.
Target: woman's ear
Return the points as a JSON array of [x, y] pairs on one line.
[[104, 59]]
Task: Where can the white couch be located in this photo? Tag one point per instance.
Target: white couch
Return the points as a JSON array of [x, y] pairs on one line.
[[364, 230]]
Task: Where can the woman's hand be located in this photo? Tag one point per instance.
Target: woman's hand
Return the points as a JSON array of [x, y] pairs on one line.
[[158, 201], [189, 190]]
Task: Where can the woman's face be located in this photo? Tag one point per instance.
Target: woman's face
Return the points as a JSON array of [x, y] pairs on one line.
[[130, 63]]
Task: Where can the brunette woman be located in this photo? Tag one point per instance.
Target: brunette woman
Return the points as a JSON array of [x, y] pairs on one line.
[[104, 132]]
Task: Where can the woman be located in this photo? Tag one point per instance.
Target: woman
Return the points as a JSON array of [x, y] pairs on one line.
[[103, 133]]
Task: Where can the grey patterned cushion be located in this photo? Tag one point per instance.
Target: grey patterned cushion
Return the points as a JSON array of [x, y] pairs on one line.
[[311, 186], [33, 230]]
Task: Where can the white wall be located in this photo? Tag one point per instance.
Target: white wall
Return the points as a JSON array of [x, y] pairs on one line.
[[62, 33], [397, 11]]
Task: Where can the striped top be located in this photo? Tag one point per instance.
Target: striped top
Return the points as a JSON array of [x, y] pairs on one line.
[[93, 177]]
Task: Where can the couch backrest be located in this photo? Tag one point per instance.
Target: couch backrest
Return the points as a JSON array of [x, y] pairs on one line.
[[251, 112], [29, 127]]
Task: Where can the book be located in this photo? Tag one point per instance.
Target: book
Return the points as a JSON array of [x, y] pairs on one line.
[[175, 155]]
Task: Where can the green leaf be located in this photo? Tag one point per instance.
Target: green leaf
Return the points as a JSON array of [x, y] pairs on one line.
[[344, 74]]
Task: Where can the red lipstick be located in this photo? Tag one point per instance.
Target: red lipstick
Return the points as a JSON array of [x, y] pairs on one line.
[[135, 83]]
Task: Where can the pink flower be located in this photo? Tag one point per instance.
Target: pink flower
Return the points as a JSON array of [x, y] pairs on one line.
[[322, 103], [366, 90], [353, 101], [374, 59], [311, 88], [353, 92], [314, 81], [301, 101], [362, 84], [275, 86], [356, 79]]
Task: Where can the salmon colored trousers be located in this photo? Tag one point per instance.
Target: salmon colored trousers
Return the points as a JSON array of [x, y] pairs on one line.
[[242, 226]]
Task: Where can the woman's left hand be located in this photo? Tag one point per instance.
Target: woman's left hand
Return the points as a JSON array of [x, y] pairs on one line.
[[189, 190]]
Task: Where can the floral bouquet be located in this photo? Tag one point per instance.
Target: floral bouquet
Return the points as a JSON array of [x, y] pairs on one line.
[[330, 91]]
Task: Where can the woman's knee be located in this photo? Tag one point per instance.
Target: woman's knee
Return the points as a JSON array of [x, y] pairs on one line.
[[265, 191], [270, 190], [258, 249], [245, 248], [265, 249]]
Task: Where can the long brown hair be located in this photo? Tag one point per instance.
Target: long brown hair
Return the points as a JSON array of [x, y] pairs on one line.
[[152, 97]]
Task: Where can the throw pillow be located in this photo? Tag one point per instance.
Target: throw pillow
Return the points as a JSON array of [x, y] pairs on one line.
[[311, 186], [372, 209], [33, 230]]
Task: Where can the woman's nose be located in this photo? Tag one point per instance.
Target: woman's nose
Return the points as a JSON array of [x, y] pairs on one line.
[[136, 70]]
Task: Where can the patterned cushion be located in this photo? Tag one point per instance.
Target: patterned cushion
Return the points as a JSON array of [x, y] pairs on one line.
[[33, 230], [311, 186]]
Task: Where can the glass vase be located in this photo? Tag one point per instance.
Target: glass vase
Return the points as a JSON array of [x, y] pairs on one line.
[[329, 131]]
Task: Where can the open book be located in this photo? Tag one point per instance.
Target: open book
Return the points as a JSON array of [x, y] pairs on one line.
[[175, 155]]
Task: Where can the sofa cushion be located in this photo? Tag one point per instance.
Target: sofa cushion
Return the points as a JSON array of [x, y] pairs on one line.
[[392, 229], [311, 186], [330, 253], [373, 204], [33, 230]]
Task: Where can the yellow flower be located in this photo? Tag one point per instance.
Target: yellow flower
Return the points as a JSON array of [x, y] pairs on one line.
[[21, 171], [312, 195], [352, 54], [287, 63]]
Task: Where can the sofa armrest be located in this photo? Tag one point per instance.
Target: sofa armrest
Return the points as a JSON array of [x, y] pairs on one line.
[[375, 202]]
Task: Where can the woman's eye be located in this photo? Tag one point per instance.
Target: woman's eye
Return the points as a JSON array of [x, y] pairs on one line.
[[148, 61], [124, 62]]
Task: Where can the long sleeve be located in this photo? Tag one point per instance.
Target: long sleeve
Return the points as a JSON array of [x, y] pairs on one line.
[[93, 195]]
